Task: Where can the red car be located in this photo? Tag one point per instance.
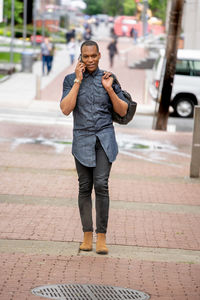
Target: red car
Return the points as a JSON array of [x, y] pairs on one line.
[[38, 39]]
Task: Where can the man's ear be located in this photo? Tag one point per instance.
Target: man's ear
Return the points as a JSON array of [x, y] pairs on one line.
[[99, 55]]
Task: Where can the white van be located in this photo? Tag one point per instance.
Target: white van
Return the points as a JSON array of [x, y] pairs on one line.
[[186, 86]]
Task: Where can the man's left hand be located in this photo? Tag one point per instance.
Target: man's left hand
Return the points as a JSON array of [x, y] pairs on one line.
[[107, 80]]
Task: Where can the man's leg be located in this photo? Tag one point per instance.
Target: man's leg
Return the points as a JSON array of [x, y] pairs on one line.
[[100, 177], [85, 204], [43, 64], [85, 179], [48, 58], [111, 61]]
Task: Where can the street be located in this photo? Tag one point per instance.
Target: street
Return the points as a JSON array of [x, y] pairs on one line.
[[175, 124]]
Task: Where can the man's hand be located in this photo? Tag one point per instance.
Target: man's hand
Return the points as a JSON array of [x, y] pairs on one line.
[[107, 80], [80, 68]]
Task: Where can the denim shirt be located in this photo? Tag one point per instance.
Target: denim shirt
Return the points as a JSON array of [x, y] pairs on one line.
[[92, 118]]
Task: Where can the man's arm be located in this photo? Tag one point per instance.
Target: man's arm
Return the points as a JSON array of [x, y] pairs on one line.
[[119, 106], [68, 103]]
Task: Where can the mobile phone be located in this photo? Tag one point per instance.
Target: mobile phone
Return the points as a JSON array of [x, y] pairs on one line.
[[80, 58]]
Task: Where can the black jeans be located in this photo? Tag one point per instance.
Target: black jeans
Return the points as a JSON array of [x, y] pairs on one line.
[[97, 177]]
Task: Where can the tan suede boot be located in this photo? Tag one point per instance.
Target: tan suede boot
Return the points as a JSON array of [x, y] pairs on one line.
[[101, 244], [87, 242]]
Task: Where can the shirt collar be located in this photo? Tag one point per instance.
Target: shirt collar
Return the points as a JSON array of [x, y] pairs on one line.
[[86, 73]]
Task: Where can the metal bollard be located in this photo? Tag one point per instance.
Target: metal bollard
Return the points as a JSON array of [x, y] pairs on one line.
[[27, 62], [38, 87], [195, 159]]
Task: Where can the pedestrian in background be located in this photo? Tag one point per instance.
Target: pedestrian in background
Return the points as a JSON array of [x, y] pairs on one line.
[[91, 94], [79, 35], [71, 47], [70, 34], [134, 34], [87, 34], [46, 48], [124, 30], [51, 55], [112, 48]]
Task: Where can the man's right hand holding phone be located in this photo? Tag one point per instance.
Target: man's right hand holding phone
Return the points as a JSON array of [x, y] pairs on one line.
[[80, 68], [69, 102]]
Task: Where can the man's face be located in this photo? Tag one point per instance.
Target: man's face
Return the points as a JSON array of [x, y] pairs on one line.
[[90, 57]]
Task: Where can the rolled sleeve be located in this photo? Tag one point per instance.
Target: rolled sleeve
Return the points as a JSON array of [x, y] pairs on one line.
[[119, 93], [67, 85]]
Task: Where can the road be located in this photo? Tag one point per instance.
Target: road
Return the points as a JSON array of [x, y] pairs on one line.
[[139, 121], [174, 124]]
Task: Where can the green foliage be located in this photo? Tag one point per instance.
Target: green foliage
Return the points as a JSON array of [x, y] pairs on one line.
[[113, 7], [5, 31], [29, 31], [8, 33], [94, 7], [18, 11], [158, 8], [5, 57], [110, 7], [129, 7]]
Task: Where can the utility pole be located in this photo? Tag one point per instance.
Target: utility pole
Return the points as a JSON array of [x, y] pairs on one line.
[[170, 59]]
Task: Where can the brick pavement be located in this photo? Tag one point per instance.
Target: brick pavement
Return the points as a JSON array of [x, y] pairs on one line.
[[17, 280], [154, 209]]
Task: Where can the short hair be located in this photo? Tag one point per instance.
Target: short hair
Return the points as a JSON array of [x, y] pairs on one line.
[[89, 43]]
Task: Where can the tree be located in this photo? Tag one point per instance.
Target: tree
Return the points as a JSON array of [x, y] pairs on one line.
[[18, 11], [110, 7], [94, 7], [113, 7], [129, 7], [158, 8], [171, 54]]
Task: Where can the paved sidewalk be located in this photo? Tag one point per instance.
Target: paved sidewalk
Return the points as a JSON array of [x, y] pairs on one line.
[[154, 224]]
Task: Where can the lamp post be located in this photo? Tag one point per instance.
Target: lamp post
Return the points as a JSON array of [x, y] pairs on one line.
[[144, 17], [43, 20], [34, 24], [12, 30], [25, 22]]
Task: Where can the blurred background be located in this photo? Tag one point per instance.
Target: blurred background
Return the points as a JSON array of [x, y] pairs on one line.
[[40, 43]]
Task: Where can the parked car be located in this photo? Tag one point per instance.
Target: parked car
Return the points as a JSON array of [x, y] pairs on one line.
[[186, 86], [38, 39]]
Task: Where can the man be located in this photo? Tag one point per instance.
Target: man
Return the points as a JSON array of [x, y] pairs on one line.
[[46, 48], [112, 48], [91, 95]]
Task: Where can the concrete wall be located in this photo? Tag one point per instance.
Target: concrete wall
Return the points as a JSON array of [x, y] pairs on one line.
[[191, 24]]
